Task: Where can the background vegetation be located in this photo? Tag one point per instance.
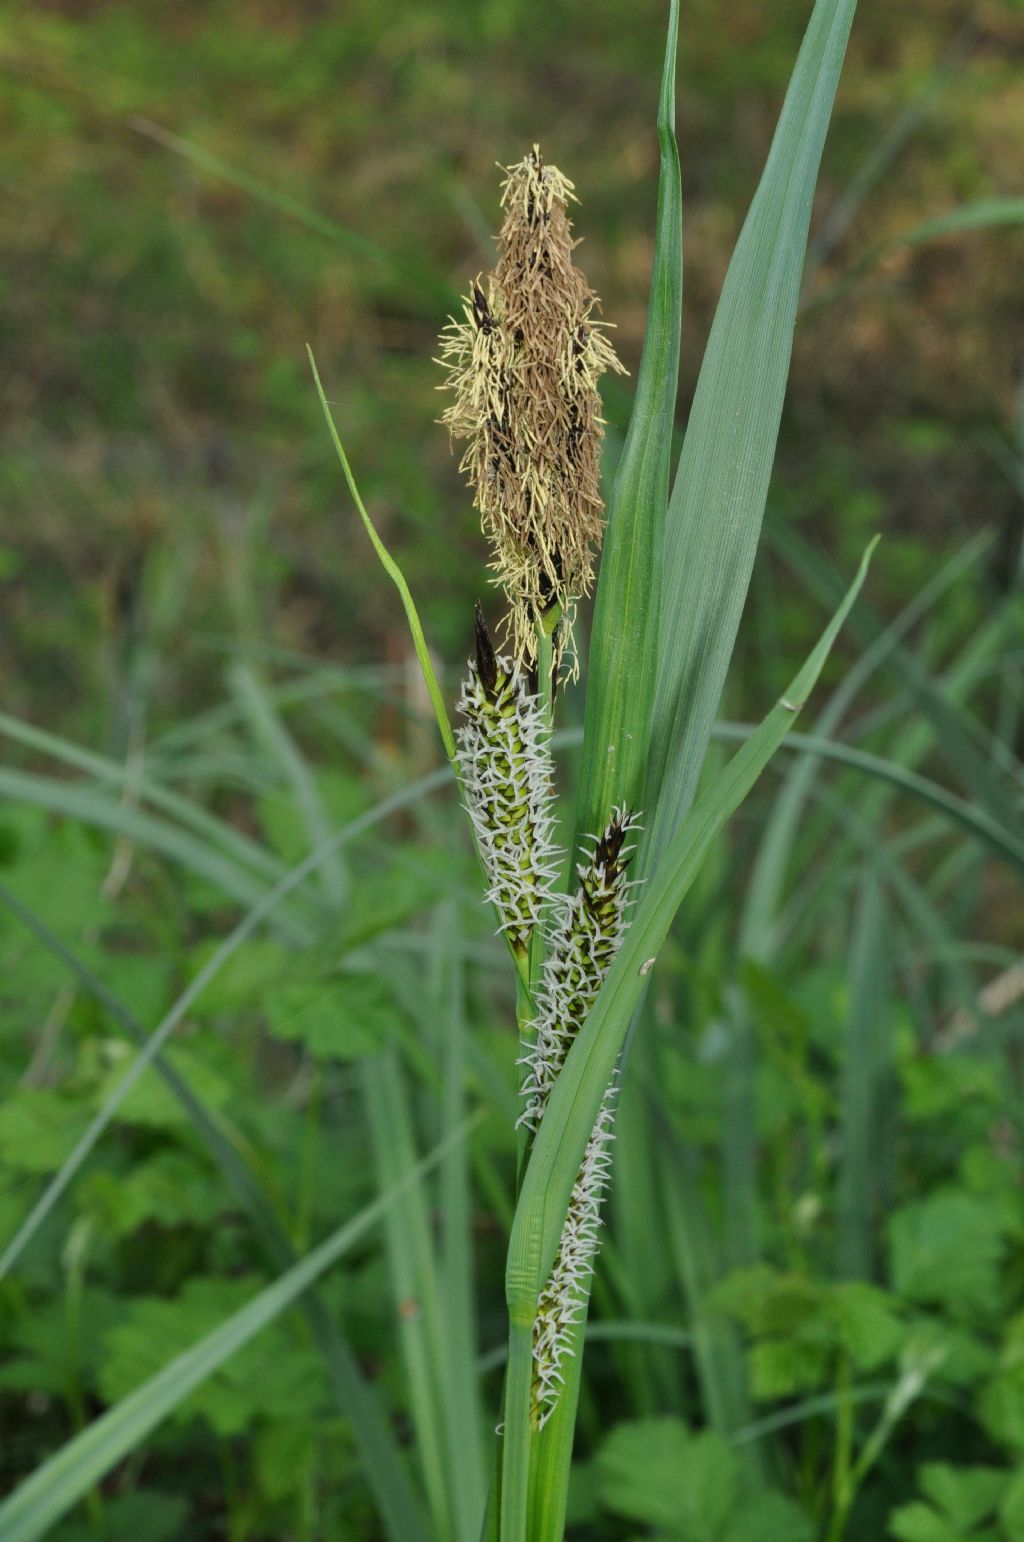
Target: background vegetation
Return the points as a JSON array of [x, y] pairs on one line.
[[821, 1287]]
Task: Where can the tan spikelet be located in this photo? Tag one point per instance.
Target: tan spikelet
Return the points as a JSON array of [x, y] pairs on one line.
[[524, 366]]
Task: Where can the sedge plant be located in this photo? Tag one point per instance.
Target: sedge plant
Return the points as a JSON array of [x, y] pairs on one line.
[[522, 367], [585, 906]]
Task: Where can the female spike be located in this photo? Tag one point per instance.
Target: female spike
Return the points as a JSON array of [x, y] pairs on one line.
[[507, 780]]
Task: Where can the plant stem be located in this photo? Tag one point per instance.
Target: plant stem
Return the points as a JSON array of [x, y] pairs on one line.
[[545, 662], [842, 1487], [516, 1441], [524, 1024]]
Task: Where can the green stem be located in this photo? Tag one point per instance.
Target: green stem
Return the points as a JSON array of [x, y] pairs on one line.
[[516, 1442], [524, 1027], [546, 629], [308, 1165], [529, 968], [842, 1485], [515, 1476]]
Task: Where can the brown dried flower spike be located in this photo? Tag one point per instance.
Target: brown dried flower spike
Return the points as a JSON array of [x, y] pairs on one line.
[[524, 367]]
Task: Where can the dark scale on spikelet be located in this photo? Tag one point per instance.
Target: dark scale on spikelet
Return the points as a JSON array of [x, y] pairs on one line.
[[524, 366]]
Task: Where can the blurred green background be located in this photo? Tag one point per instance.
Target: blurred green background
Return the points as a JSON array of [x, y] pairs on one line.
[[191, 194], [156, 393]]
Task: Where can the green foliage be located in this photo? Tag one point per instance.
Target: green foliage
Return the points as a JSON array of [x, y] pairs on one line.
[[342, 1019], [963, 1503], [274, 1379], [177, 227], [947, 1250], [146, 1515], [686, 1485], [799, 1328]]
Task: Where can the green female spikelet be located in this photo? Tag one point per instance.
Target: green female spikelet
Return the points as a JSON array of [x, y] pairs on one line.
[[583, 944], [507, 780], [524, 366]]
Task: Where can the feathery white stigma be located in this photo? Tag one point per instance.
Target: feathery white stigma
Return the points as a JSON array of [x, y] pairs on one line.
[[562, 1303], [584, 940], [507, 778], [583, 944]]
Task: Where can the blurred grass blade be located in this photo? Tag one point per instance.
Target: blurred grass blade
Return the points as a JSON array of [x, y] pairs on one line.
[[576, 1097], [196, 986], [187, 813], [985, 214], [881, 157], [419, 279], [268, 727], [66, 1476], [763, 897], [381, 1460], [396, 575], [714, 516], [623, 666], [1004, 844], [689, 1237], [950, 724], [461, 1382], [195, 855], [866, 1065], [414, 1281], [758, 932]]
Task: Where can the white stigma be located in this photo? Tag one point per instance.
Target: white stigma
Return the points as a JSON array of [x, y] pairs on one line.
[[507, 779], [584, 940]]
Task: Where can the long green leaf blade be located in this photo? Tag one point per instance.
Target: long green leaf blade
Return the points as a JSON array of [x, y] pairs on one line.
[[627, 615], [396, 575], [623, 667], [576, 1097], [714, 517], [866, 1070], [985, 214], [413, 1268]]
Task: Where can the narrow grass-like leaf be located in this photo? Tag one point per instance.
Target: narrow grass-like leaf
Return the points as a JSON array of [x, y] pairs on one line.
[[62, 1480], [342, 236], [414, 1280], [187, 813], [1003, 843], [985, 214], [195, 855], [576, 1097], [460, 1382], [637, 1219], [267, 726], [396, 575], [866, 1067], [717, 503], [624, 657]]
